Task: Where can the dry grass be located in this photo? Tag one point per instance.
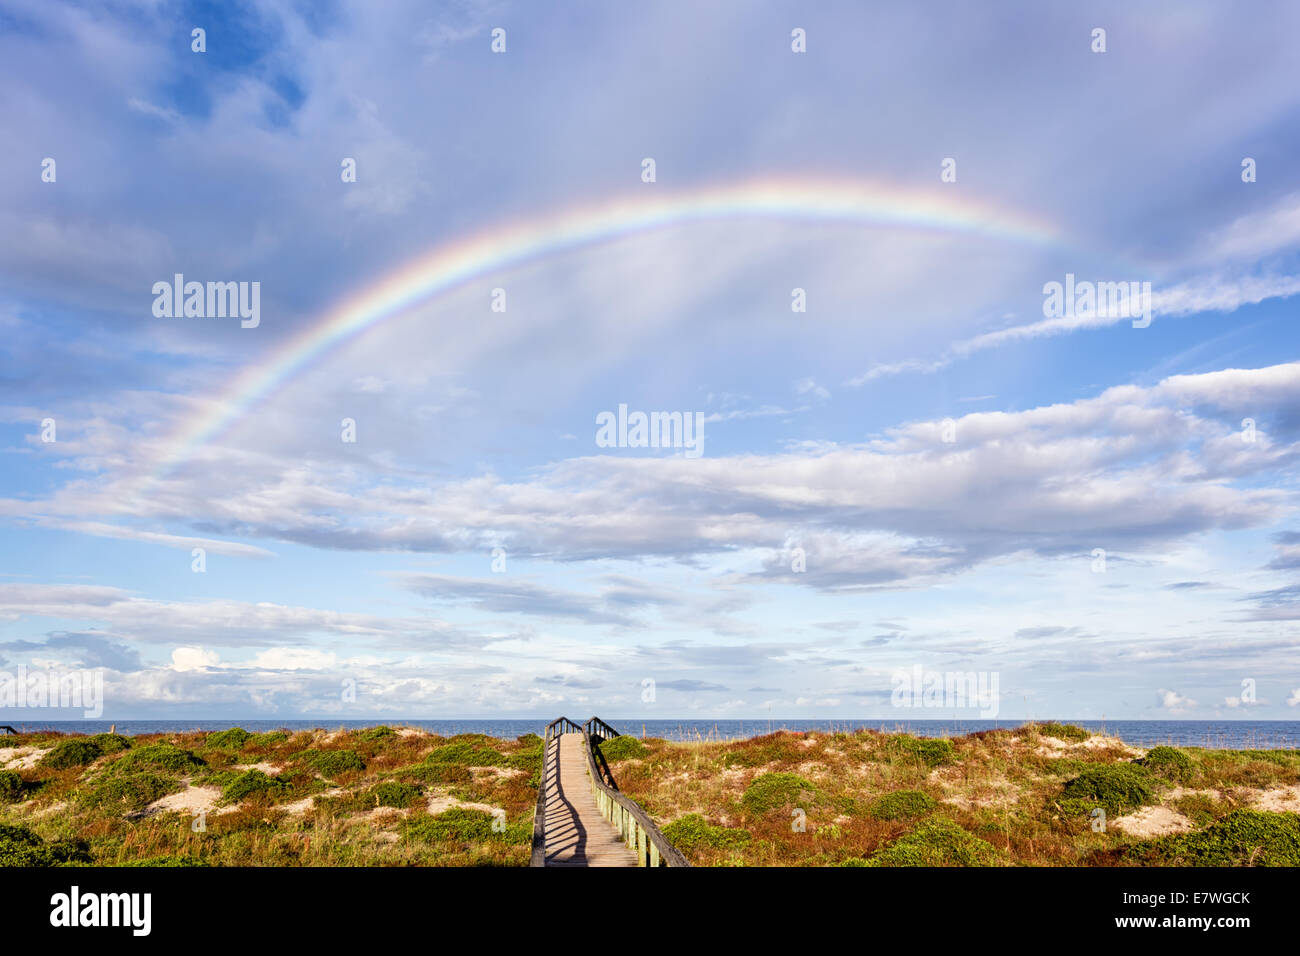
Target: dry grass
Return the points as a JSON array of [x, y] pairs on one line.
[[371, 798], [1003, 788], [318, 802]]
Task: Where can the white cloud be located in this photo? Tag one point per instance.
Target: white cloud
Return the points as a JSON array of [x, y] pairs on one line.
[[193, 659], [1175, 702]]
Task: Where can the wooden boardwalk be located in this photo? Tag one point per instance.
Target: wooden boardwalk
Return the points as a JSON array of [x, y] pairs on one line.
[[575, 832]]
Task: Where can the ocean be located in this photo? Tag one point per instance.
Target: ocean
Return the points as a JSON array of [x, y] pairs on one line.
[[1230, 734]]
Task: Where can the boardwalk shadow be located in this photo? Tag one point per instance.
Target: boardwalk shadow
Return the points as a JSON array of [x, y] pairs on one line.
[[566, 837]]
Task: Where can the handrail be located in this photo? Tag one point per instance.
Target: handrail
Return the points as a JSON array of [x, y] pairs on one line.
[[602, 730], [560, 725], [636, 828]]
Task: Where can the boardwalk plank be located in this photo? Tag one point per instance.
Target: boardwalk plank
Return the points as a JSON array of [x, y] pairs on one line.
[[576, 833]]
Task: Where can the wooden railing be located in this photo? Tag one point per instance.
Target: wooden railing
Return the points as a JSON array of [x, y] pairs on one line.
[[634, 825]]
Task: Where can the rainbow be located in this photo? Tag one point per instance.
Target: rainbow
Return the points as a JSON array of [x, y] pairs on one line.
[[450, 266]]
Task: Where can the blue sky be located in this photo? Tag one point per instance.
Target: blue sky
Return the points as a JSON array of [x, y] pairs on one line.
[[371, 562]]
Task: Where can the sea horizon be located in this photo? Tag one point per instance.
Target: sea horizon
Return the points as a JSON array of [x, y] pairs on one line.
[[1234, 734]]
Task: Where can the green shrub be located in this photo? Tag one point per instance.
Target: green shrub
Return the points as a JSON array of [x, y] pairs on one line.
[[331, 763], [1062, 731], [232, 739], [1113, 787], [1242, 838], [692, 832], [902, 805], [125, 792], [252, 783], [272, 738], [19, 846], [937, 842], [76, 752], [159, 756], [1168, 762], [111, 743], [772, 790], [530, 741], [11, 786], [466, 753], [932, 751], [464, 825], [623, 748], [393, 794], [376, 733]]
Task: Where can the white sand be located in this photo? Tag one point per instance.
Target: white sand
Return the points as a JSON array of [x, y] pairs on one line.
[[22, 758], [191, 800], [1152, 822], [1283, 799]]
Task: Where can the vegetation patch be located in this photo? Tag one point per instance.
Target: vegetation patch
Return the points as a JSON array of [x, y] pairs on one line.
[[122, 793], [937, 842], [529, 756], [11, 786], [19, 846], [1200, 808], [267, 741], [76, 752], [463, 825], [1068, 732], [931, 751], [1113, 787], [623, 748], [393, 794], [105, 802], [166, 861], [1168, 762], [444, 773], [159, 756], [772, 790], [467, 753], [331, 763], [376, 733], [253, 783], [111, 743], [761, 751], [1242, 838], [232, 739], [692, 833], [902, 805]]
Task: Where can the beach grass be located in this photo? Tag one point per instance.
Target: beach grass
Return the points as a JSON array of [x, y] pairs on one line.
[[379, 796], [1038, 795]]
